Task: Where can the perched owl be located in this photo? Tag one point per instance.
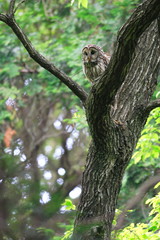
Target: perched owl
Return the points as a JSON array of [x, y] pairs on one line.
[[95, 61]]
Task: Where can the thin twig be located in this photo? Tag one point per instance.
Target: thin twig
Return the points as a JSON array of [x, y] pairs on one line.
[[18, 5]]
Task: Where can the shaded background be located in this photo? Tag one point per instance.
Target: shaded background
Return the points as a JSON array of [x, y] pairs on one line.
[[43, 131]]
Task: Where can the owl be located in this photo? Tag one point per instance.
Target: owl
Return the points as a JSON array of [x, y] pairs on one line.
[[95, 61]]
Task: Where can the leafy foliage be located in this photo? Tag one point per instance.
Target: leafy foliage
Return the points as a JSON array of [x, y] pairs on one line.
[[137, 231], [78, 119], [143, 231], [145, 160], [84, 3], [148, 147]]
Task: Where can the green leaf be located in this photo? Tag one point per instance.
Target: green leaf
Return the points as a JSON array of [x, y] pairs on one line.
[[7, 92], [4, 115], [47, 231], [157, 185], [85, 3], [68, 234], [11, 69], [69, 205], [72, 2]]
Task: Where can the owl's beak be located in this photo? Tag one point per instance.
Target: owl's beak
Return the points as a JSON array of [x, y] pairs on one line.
[[89, 58]]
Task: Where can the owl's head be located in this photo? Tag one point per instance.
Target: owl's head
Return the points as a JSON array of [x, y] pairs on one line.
[[90, 54]]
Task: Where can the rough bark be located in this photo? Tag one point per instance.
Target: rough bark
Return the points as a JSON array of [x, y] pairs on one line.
[[117, 109], [115, 125]]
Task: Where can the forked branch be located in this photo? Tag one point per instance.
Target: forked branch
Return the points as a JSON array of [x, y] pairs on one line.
[[23, 1]]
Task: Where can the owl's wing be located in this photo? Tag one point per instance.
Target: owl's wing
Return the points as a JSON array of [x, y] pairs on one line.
[[108, 57]]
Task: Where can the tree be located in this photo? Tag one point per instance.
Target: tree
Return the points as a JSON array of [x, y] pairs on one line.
[[117, 108]]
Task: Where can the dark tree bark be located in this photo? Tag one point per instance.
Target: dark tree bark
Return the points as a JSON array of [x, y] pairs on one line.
[[116, 119], [117, 108]]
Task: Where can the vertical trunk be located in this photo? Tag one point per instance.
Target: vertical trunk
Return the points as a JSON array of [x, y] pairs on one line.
[[115, 131], [101, 184]]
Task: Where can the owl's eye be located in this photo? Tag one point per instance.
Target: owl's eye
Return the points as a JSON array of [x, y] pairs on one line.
[[85, 53], [93, 52]]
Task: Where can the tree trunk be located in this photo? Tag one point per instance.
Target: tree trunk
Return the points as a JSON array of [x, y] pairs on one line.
[[115, 129]]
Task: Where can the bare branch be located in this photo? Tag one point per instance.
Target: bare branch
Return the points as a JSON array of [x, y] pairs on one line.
[[41, 60], [152, 105], [3, 17], [133, 202], [19, 5], [47, 136], [11, 8]]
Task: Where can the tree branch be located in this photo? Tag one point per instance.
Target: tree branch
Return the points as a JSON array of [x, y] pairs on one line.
[[41, 60], [132, 203], [105, 89], [152, 105], [11, 8], [23, 1], [3, 17]]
